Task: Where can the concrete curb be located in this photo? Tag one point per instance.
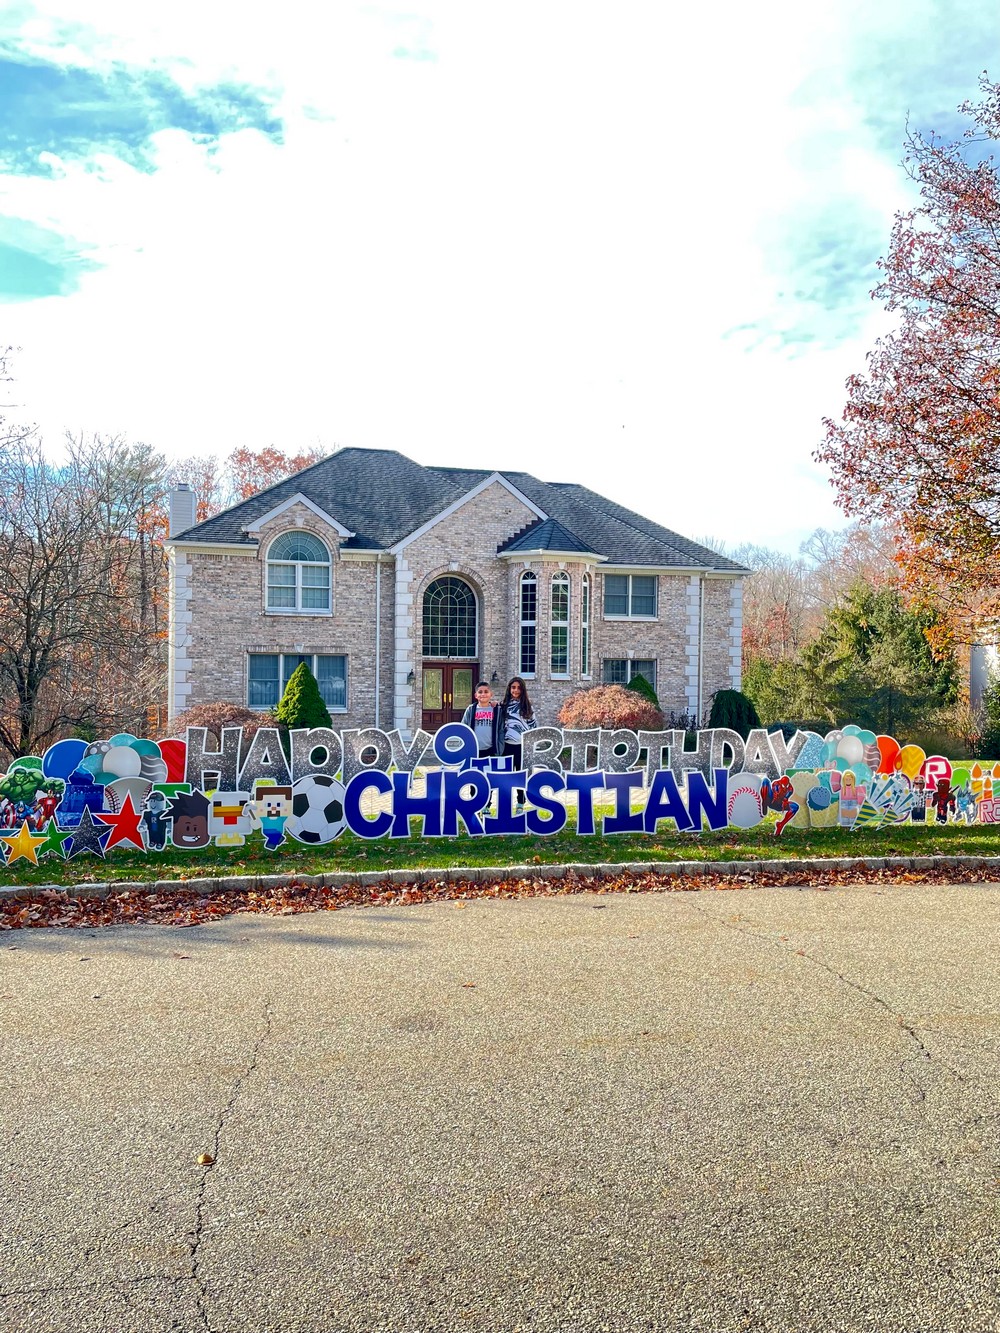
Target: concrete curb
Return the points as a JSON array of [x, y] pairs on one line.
[[491, 874]]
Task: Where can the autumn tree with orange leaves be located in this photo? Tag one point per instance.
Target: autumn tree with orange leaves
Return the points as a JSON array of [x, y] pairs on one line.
[[217, 485], [919, 443]]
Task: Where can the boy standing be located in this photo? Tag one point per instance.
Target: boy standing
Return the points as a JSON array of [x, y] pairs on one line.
[[487, 720]]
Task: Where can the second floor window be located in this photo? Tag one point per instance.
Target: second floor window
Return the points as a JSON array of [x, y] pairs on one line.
[[630, 595], [298, 574]]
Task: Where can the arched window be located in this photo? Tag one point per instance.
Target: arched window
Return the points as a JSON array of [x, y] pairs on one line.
[[450, 619], [585, 628], [559, 658], [298, 574], [529, 623]]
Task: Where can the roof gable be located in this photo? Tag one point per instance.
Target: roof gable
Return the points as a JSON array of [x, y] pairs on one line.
[[255, 527], [493, 478]]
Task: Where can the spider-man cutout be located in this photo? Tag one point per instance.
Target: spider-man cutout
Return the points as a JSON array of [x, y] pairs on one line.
[[776, 795]]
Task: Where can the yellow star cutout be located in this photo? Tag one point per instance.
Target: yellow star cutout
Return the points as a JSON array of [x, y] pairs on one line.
[[22, 843]]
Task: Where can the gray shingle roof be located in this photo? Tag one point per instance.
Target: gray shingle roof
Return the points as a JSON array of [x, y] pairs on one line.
[[545, 535], [377, 494], [382, 496]]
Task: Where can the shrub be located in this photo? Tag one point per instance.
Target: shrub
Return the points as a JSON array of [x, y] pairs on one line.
[[732, 709], [215, 716], [641, 685], [610, 706], [302, 704], [788, 729]]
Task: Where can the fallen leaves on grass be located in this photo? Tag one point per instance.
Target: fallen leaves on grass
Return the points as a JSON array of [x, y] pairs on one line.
[[185, 907]]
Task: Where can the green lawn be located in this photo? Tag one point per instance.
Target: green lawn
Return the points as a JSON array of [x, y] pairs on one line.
[[350, 853]]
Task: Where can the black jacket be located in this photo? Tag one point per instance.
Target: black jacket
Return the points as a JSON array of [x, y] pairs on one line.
[[499, 724]]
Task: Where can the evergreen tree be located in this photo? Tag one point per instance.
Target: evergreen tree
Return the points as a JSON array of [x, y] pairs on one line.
[[732, 709], [641, 685], [302, 704], [872, 664]]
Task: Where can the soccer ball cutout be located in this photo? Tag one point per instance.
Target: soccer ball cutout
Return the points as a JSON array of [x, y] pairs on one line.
[[317, 809]]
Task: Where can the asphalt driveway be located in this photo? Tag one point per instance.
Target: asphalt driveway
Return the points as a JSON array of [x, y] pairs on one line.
[[732, 1110]]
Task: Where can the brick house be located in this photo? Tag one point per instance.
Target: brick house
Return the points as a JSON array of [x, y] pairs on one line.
[[402, 585]]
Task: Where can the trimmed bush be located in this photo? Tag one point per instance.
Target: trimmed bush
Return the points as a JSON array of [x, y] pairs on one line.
[[302, 704], [610, 706], [641, 685], [732, 709], [215, 716]]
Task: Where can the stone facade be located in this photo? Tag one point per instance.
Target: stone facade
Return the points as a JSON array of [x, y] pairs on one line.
[[218, 616]]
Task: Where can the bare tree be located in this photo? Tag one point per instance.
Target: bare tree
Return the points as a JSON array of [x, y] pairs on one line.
[[787, 597], [82, 600], [776, 603]]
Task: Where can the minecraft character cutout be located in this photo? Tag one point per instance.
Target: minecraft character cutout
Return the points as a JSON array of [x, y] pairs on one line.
[[228, 820], [270, 808]]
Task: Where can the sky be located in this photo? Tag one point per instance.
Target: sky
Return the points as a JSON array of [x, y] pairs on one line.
[[626, 245]]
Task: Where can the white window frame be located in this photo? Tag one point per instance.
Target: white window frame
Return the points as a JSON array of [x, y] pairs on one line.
[[528, 576], [282, 680], [298, 565], [630, 663], [630, 614], [563, 580]]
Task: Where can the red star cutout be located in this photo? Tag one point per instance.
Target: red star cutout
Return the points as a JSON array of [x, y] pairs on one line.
[[124, 826]]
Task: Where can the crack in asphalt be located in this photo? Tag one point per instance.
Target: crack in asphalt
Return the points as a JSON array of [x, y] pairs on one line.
[[910, 1031], [173, 1278], [196, 1235]]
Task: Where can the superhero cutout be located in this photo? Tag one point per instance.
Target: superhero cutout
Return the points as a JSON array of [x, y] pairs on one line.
[[943, 801], [45, 807], [777, 796]]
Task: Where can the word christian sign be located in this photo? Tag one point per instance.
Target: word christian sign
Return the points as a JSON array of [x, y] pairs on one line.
[[308, 787]]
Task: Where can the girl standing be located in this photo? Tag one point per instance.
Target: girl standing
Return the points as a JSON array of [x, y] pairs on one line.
[[519, 719]]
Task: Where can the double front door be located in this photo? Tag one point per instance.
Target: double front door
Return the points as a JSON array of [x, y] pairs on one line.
[[446, 690]]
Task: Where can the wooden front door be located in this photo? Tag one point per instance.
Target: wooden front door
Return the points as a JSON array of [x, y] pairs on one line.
[[446, 690]]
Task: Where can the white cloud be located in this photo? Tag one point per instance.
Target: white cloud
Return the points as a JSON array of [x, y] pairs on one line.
[[527, 250]]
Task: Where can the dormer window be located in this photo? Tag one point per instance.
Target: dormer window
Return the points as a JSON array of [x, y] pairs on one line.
[[298, 575]]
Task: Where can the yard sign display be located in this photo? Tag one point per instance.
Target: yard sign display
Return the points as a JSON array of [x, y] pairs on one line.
[[88, 799]]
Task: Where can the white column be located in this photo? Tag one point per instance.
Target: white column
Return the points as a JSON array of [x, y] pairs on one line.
[[692, 606], [179, 684], [736, 635], [403, 694]]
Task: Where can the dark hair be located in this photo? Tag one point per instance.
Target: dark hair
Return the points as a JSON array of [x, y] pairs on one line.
[[525, 702], [481, 683], [189, 805]]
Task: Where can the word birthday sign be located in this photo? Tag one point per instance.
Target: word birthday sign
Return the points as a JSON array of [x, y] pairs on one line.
[[307, 786]]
